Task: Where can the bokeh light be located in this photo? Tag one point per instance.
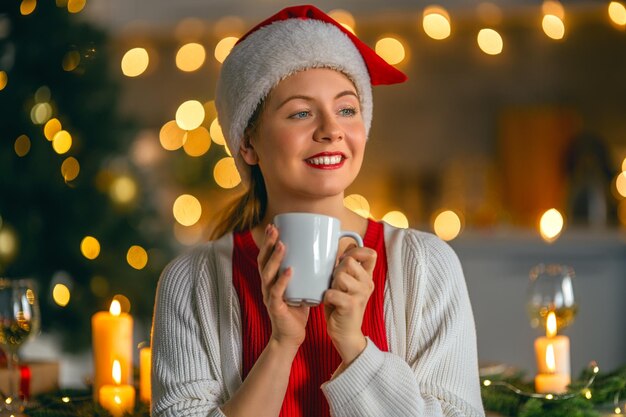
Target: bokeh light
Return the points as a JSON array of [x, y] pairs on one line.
[[123, 189], [190, 115], [61, 295], [551, 225], [489, 13], [90, 247], [190, 57], [99, 285], [70, 169], [75, 6], [447, 225], [624, 165], [397, 219], [229, 26], [620, 183], [137, 257], [553, 26], [225, 173], [135, 62], [171, 136], [198, 142], [22, 145], [621, 212], [358, 204], [187, 210], [345, 18], [554, 8], [216, 133], [490, 41], [8, 243], [223, 48], [436, 22], [4, 79], [51, 128], [123, 301], [391, 50], [41, 113], [62, 142], [617, 13], [71, 60], [27, 7]]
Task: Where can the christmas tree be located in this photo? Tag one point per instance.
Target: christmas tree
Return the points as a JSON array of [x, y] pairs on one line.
[[65, 174]]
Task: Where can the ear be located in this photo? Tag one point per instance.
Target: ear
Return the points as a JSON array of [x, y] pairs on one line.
[[247, 152]]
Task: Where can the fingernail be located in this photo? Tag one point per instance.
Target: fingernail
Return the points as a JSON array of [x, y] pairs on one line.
[[268, 228]]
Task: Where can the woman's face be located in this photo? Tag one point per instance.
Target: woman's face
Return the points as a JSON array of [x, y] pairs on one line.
[[310, 139]]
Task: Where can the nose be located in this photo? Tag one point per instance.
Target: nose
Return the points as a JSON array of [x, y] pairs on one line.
[[328, 129]]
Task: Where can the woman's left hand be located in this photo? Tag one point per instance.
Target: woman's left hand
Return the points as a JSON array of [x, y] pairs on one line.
[[345, 301]]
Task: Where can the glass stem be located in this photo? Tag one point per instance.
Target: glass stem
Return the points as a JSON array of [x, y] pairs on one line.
[[14, 379]]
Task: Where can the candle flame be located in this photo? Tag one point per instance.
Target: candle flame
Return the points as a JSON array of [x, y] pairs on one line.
[[116, 372], [551, 327], [116, 308], [117, 400], [550, 360]]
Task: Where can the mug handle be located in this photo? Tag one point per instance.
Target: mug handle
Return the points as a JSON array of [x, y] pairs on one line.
[[354, 236]]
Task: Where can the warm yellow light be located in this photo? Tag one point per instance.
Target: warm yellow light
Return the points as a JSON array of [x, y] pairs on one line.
[[171, 136], [223, 48], [116, 308], [549, 397], [90, 247], [216, 133], [229, 26], [190, 115], [617, 13], [71, 60], [551, 225], [41, 113], [70, 169], [436, 22], [225, 173], [116, 372], [61, 295], [486, 382], [620, 183], [51, 128], [618, 410], [75, 6], [123, 189], [190, 57], [62, 142], [621, 212], [358, 204], [550, 361], [588, 394], [198, 142], [124, 302], [65, 399], [624, 165], [344, 18], [210, 112], [187, 210], [554, 8], [447, 225], [397, 219], [391, 50], [553, 26], [99, 286], [134, 62], [551, 327], [22, 145], [43, 94], [4, 79], [137, 257], [8, 243], [27, 7], [490, 41]]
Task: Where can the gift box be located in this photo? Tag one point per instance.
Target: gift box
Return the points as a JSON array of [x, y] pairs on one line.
[[35, 377]]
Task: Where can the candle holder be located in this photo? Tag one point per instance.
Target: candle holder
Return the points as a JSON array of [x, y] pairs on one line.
[[551, 289]]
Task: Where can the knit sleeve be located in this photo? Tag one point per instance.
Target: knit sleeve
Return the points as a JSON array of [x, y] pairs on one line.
[[184, 381], [439, 375]]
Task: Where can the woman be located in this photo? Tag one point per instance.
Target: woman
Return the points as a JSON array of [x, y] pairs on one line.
[[395, 333]]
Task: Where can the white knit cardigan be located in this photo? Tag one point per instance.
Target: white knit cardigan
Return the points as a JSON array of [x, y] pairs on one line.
[[431, 369]]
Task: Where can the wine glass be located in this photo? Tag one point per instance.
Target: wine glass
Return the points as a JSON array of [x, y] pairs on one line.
[[19, 320], [551, 289]]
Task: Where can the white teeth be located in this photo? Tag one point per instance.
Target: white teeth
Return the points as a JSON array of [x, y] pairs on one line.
[[325, 160]]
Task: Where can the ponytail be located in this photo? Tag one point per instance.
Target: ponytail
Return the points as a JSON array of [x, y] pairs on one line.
[[248, 210]]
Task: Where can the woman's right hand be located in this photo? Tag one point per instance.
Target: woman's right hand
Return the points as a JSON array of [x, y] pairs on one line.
[[288, 323]]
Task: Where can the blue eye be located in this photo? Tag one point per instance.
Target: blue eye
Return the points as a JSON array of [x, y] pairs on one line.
[[300, 115], [350, 111]]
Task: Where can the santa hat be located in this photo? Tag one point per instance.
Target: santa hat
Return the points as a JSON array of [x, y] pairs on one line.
[[295, 39]]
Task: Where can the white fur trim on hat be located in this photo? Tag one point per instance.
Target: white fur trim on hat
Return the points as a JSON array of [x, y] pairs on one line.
[[272, 53]]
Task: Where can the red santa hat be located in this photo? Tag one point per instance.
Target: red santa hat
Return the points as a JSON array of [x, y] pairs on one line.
[[295, 39]]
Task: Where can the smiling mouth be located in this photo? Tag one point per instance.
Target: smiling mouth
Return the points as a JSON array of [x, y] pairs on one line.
[[325, 160]]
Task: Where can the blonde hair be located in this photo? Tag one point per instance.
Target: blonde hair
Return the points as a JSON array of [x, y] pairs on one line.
[[247, 210]]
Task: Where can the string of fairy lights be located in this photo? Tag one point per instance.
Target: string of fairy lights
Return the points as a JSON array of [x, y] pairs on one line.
[[195, 129]]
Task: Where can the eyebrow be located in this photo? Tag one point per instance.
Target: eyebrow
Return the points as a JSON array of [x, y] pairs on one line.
[[308, 98]]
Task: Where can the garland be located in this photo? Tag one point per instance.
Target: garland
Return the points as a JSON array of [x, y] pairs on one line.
[[508, 395]]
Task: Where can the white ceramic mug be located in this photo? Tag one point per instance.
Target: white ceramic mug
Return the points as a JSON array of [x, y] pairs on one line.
[[311, 243]]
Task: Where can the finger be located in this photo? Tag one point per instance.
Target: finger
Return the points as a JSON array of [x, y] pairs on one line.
[[272, 266], [365, 256], [267, 247], [278, 288], [341, 301], [357, 270], [344, 281]]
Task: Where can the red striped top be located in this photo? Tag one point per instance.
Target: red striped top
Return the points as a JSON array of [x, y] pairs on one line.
[[317, 358]]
